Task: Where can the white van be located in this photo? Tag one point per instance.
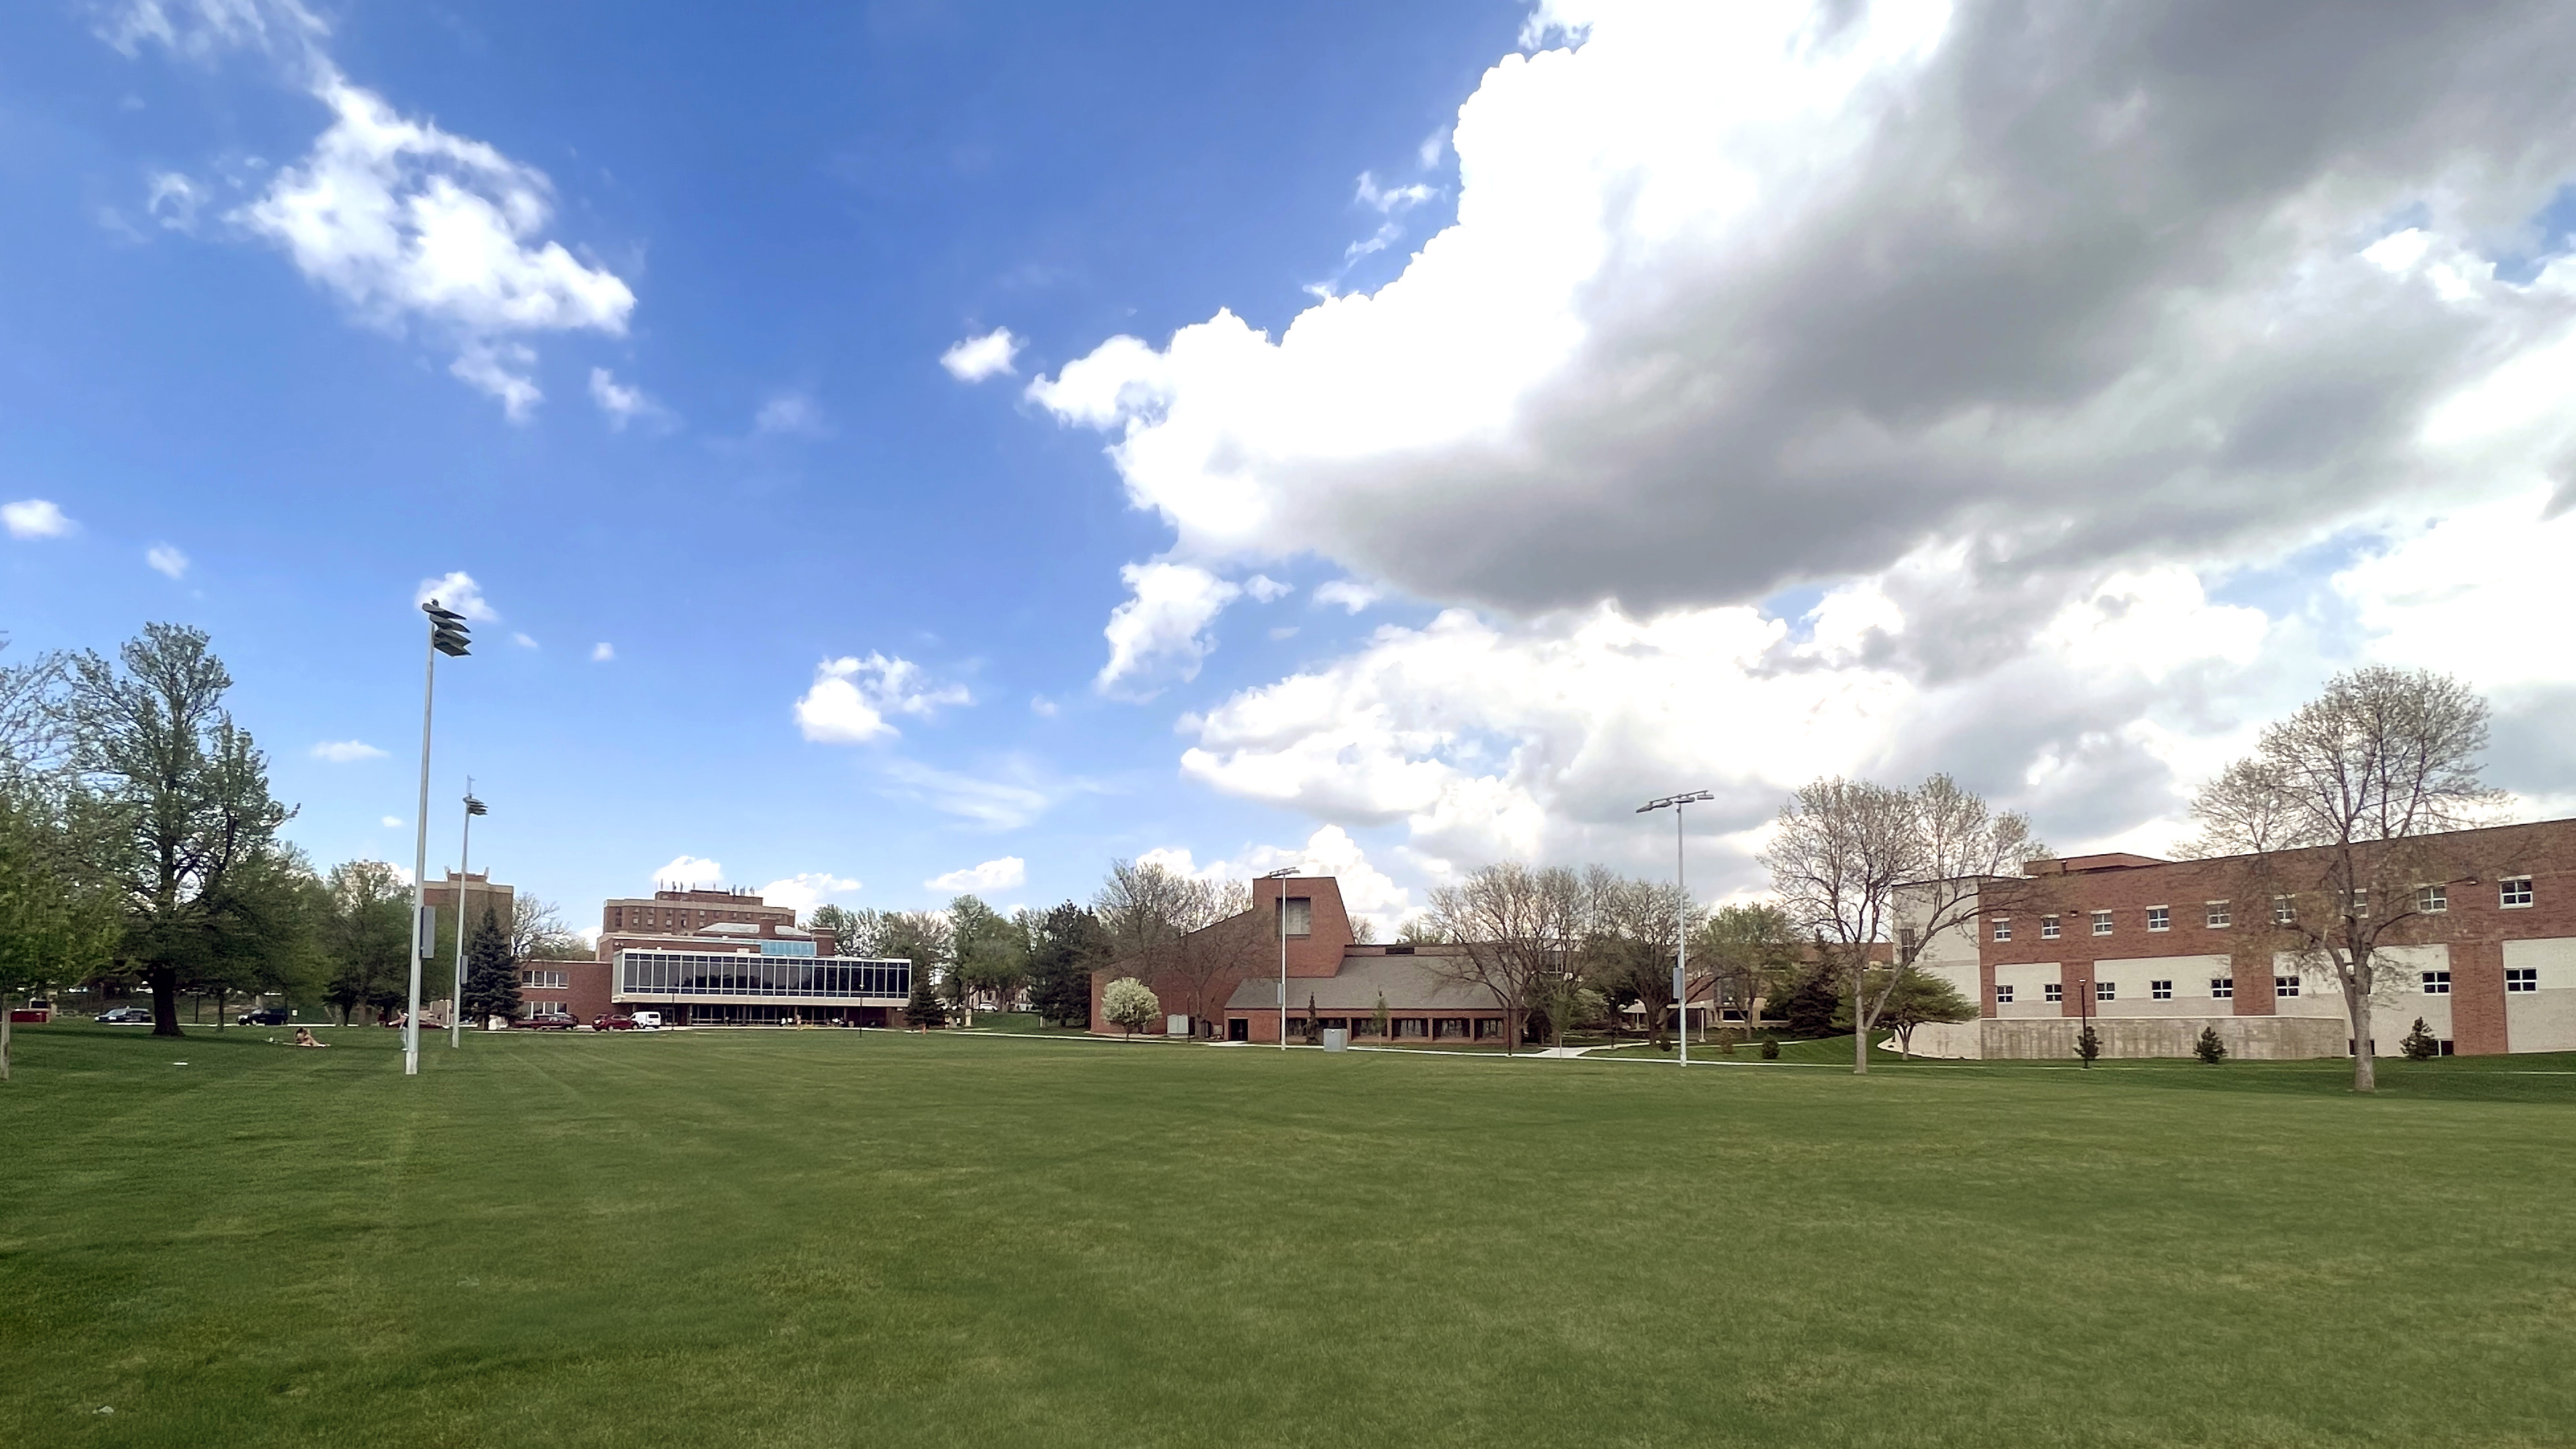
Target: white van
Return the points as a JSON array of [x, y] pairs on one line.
[[647, 1020]]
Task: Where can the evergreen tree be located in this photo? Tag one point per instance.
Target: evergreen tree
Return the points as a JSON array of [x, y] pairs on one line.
[[2209, 1048], [1809, 1012], [2420, 1045], [491, 977], [2088, 1043], [1069, 945], [923, 1011]]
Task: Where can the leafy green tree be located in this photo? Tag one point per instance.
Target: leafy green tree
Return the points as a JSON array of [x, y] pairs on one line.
[[1132, 1004], [1629, 931], [270, 942], [923, 1010], [1750, 954], [176, 809], [54, 926], [991, 953], [1066, 948], [491, 976], [1921, 998], [365, 937]]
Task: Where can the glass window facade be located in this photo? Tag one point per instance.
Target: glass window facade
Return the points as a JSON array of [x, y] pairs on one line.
[[822, 980]]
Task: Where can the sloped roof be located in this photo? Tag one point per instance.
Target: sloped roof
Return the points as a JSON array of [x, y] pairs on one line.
[[1408, 982]]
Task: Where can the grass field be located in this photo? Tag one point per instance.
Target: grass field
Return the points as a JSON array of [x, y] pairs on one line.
[[810, 1238]]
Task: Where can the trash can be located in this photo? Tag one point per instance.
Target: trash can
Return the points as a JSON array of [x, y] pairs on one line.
[[1336, 1039]]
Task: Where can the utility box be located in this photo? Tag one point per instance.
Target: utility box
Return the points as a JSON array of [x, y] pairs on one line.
[[1176, 1026], [1336, 1039]]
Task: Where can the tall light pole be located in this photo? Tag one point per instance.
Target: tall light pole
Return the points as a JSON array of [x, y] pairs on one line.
[[464, 868], [1681, 923], [1282, 875], [446, 636]]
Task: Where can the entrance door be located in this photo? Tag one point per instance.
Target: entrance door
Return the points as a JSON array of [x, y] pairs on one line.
[[1238, 1029]]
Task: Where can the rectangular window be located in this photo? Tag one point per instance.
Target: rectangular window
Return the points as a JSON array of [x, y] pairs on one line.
[[2159, 918], [2054, 991], [2003, 928], [545, 980], [2106, 991], [2437, 983], [2514, 892], [2522, 978], [2219, 916], [2160, 990], [2048, 928], [2432, 900], [2284, 912], [1301, 916], [2101, 923], [1905, 938], [2222, 988], [2003, 995], [2285, 986], [2361, 903]]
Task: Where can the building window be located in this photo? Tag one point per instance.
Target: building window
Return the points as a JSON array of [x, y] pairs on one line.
[[1488, 1029], [2437, 983], [2285, 986], [2160, 990], [2219, 916], [1412, 1026], [2514, 892], [2432, 900], [2101, 923], [1300, 913], [2522, 978], [2159, 918], [2106, 991], [2003, 928], [2284, 911], [2048, 928], [1905, 939], [2361, 903], [2003, 995], [545, 980], [2054, 991], [2222, 988]]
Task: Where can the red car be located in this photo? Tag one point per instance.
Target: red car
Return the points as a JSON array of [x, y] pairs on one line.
[[613, 1023], [546, 1023]]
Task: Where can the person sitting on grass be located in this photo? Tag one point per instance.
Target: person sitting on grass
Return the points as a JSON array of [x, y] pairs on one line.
[[304, 1037]]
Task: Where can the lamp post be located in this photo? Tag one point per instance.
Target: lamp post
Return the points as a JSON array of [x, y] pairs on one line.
[[1282, 875], [1681, 923], [446, 636], [464, 867]]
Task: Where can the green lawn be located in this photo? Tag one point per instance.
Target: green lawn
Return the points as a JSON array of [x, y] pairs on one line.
[[847, 1238]]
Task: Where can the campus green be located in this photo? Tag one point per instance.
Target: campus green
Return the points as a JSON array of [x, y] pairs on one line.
[[872, 1238]]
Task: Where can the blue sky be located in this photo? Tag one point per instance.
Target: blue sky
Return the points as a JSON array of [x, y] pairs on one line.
[[1655, 471]]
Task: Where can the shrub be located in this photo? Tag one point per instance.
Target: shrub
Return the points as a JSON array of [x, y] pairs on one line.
[[1770, 1051], [2209, 1048], [2088, 1044], [2420, 1045], [1130, 1003]]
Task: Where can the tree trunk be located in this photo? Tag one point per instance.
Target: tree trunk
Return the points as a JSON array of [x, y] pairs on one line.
[[223, 994], [4, 1035], [2365, 1071], [1860, 1028], [165, 1000]]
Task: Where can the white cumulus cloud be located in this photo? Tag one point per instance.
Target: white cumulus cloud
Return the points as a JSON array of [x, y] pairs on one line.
[[689, 870], [623, 402], [1351, 595], [165, 559], [1158, 635], [851, 698], [35, 518], [1008, 873], [459, 592], [342, 752], [602, 652], [807, 889], [976, 358]]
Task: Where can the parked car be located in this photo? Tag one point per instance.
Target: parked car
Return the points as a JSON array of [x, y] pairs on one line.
[[36, 1012], [256, 1016], [546, 1023], [648, 1021], [613, 1023], [126, 1016]]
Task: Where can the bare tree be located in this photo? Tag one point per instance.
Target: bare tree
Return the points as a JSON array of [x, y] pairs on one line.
[[2335, 814], [538, 932], [1630, 931], [1850, 858], [1183, 931], [1516, 927]]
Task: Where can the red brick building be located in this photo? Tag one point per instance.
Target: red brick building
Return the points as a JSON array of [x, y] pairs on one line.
[[2152, 951], [1340, 982]]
